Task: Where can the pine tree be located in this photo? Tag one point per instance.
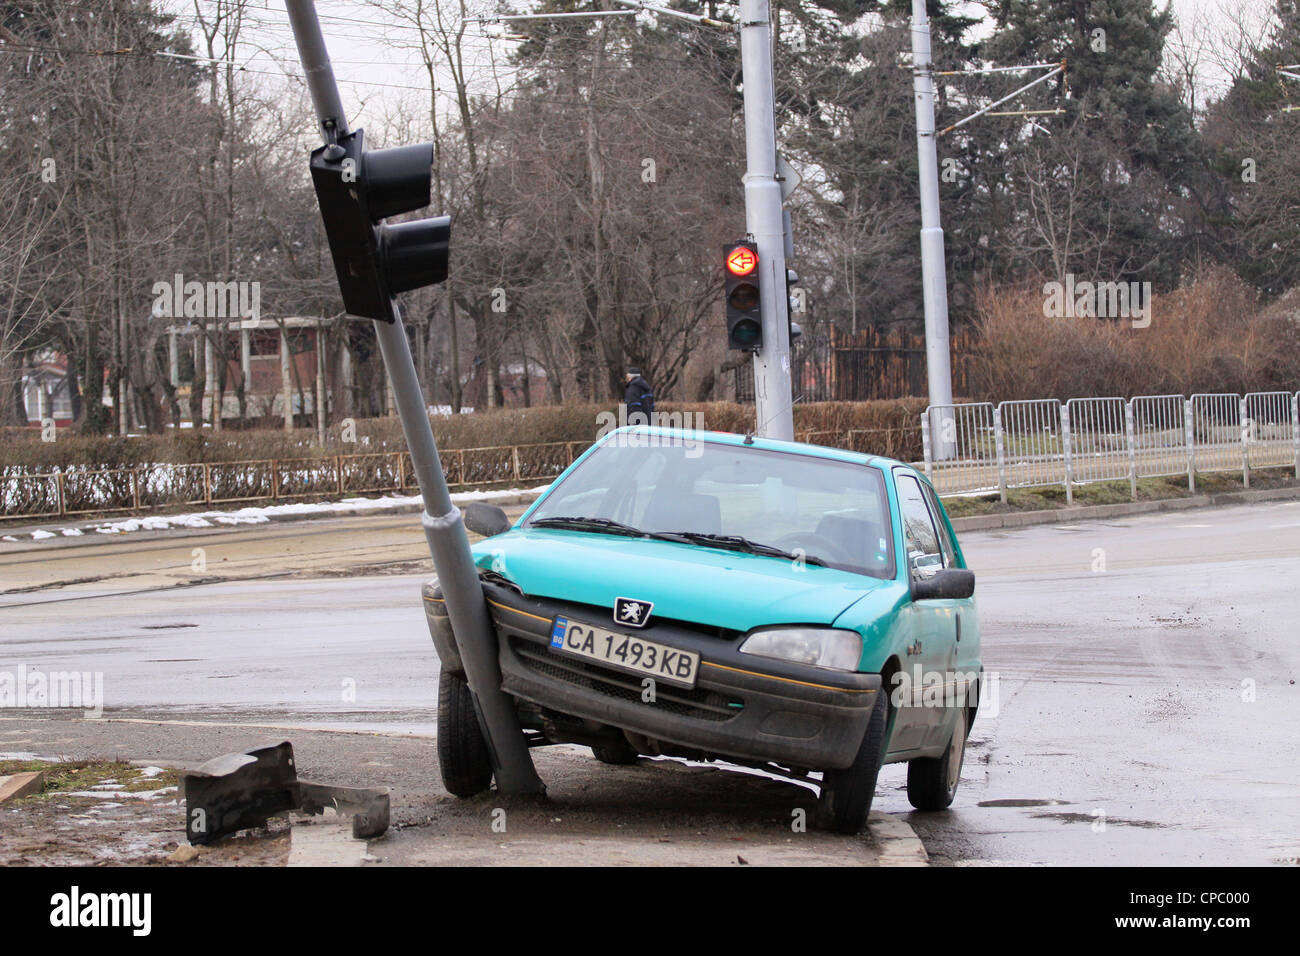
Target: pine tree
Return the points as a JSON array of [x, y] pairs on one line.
[[1253, 136], [1118, 191]]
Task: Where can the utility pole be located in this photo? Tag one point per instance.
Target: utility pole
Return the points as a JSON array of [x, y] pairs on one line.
[[444, 529], [934, 277], [764, 219], [773, 392]]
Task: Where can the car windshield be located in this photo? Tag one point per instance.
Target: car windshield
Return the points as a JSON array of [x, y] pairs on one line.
[[741, 497]]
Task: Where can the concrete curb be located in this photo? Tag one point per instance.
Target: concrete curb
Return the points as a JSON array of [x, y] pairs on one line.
[[896, 842], [1023, 519]]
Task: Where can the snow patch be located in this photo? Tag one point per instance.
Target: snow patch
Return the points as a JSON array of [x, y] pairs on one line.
[[261, 515]]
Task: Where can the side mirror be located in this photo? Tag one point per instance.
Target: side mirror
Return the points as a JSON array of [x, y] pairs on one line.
[[944, 584], [487, 520]]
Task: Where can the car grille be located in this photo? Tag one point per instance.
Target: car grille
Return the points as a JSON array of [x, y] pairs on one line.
[[693, 702]]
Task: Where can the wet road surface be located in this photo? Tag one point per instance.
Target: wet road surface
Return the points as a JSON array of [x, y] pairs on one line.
[[1145, 708]]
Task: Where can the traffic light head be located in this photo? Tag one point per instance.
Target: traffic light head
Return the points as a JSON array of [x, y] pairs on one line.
[[358, 189], [744, 305]]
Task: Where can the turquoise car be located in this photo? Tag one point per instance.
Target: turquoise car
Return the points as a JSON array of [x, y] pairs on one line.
[[713, 596]]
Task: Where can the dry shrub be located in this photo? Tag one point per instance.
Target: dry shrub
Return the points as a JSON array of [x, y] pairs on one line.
[[885, 427], [1209, 335]]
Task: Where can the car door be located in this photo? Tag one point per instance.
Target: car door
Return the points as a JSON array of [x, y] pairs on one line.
[[929, 656], [964, 659]]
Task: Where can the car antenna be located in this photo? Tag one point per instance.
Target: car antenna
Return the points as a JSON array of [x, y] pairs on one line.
[[749, 435]]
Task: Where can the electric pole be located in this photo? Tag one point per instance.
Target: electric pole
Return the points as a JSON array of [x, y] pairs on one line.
[[764, 219], [773, 391], [934, 277]]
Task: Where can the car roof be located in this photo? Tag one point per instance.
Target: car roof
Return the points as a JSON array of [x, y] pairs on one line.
[[771, 444]]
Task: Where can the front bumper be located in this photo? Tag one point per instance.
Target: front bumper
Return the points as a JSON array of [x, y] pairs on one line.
[[743, 707]]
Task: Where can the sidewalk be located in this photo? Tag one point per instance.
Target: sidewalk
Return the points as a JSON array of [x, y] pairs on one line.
[[1021, 519], [656, 812]]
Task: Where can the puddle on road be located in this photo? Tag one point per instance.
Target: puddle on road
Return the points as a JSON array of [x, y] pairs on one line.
[[1019, 802], [1109, 821]]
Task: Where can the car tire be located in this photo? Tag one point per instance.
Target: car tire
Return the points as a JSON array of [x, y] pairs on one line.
[[463, 755], [619, 753], [846, 795], [932, 781]]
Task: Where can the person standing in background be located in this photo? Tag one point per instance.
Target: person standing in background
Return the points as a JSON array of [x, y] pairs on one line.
[[638, 397]]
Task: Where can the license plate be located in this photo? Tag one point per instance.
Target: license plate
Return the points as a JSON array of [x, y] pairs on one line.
[[623, 652]]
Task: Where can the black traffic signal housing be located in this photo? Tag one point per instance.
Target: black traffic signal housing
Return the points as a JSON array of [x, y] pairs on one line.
[[744, 303], [358, 189]]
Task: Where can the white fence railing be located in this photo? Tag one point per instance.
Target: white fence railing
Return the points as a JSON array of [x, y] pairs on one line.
[[981, 448]]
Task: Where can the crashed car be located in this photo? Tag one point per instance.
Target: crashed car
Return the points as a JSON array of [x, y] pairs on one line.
[[714, 596]]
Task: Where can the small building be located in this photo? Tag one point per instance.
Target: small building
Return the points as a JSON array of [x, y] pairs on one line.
[[45, 389], [279, 362]]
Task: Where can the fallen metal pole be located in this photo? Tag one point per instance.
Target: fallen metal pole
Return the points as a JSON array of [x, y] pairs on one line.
[[443, 526]]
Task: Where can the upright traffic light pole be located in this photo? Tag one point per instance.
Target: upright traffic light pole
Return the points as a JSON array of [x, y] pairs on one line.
[[934, 277], [443, 527], [773, 391]]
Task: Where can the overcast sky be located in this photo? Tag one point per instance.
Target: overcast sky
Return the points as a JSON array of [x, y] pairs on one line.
[[375, 66]]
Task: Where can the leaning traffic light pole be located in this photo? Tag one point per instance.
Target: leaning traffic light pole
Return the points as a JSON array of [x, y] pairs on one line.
[[374, 261]]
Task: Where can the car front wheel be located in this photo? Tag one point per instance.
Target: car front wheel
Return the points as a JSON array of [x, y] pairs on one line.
[[932, 781], [463, 755], [846, 795]]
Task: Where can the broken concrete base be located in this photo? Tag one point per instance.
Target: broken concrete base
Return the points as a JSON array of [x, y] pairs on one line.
[[21, 785]]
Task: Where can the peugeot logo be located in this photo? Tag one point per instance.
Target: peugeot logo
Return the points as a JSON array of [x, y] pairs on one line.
[[632, 612]]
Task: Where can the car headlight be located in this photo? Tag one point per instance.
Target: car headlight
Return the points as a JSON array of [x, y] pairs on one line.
[[819, 646]]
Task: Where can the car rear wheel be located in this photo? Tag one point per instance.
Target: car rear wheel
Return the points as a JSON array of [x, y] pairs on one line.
[[846, 795], [932, 781], [463, 755]]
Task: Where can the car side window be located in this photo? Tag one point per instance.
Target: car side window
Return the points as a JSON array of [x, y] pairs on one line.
[[945, 539], [924, 553]]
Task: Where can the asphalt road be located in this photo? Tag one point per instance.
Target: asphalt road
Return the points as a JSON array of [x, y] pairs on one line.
[[1145, 705]]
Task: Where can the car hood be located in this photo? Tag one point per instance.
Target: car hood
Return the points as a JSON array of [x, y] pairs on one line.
[[704, 585]]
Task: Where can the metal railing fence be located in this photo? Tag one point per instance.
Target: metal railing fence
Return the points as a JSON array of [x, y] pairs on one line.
[[982, 448]]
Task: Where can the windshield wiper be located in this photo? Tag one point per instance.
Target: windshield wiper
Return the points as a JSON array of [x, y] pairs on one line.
[[735, 542], [730, 542], [601, 525]]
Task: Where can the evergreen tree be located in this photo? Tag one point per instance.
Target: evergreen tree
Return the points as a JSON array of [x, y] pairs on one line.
[[1119, 190], [1253, 137]]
